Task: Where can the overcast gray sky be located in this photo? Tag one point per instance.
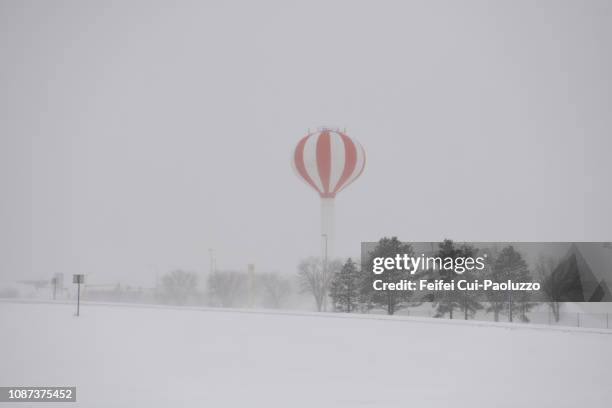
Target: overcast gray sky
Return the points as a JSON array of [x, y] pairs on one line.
[[136, 135]]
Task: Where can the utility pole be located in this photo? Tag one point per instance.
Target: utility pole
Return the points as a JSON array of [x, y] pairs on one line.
[[325, 270], [325, 253]]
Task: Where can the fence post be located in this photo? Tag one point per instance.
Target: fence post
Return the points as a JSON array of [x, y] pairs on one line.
[[578, 318]]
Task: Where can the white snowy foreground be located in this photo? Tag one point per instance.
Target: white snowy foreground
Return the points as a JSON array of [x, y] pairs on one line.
[[121, 356]]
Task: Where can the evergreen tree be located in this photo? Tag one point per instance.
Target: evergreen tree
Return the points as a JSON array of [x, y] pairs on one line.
[[469, 300], [496, 299], [449, 301], [510, 266], [552, 283], [391, 300], [344, 287]]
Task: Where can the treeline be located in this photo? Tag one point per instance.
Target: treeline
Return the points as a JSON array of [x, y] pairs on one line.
[[225, 289], [349, 285]]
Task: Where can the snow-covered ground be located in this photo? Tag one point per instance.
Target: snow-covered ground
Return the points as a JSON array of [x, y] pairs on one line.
[[125, 356]]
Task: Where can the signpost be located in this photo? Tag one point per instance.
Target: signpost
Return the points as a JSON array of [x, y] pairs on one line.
[[78, 279], [54, 283]]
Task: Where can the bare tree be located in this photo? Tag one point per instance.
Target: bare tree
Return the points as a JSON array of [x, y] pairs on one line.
[[314, 277], [275, 288], [227, 287], [178, 286]]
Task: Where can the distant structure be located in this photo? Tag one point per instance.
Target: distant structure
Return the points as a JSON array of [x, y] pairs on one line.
[[328, 161], [585, 273]]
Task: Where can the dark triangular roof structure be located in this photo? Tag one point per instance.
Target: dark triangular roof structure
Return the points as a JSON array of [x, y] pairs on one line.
[[601, 293], [567, 285], [580, 278], [587, 278]]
